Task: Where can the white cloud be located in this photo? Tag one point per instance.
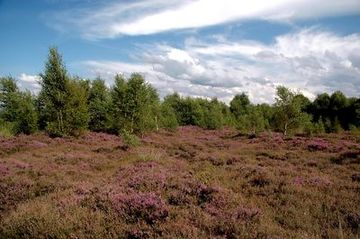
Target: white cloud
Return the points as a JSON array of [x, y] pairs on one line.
[[148, 17], [310, 60], [29, 78], [30, 82]]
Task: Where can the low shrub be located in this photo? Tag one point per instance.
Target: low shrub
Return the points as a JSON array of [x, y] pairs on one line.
[[6, 129], [318, 145], [143, 206], [34, 220], [130, 139]]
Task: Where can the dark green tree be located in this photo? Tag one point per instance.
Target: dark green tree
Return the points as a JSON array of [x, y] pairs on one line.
[[17, 108], [239, 105], [99, 106], [8, 98], [168, 118]]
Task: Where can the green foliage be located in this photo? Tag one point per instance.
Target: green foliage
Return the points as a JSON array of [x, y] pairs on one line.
[[16, 108], [6, 129], [288, 111], [168, 118], [99, 106], [76, 109], [135, 105], [319, 127], [53, 94], [239, 105], [130, 138], [213, 115], [338, 111], [26, 115], [208, 114], [252, 122], [8, 98], [249, 118], [69, 105], [62, 100]]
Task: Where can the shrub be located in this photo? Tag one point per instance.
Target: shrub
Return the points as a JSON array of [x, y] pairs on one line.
[[144, 206], [168, 118], [34, 220], [129, 138], [6, 129], [17, 108], [318, 145]]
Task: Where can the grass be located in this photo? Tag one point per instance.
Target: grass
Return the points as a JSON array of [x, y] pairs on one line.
[[189, 183]]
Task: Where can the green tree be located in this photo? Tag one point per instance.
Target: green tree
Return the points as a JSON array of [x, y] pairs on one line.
[[17, 108], [255, 119], [136, 105], [76, 108], [213, 115], [61, 102], [99, 106], [168, 118], [288, 111], [53, 94], [8, 96], [239, 105]]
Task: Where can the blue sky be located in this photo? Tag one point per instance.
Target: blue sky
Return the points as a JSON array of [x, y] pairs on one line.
[[205, 48]]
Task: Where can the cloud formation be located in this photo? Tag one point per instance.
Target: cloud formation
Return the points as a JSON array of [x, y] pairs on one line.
[[30, 82], [310, 60], [149, 17]]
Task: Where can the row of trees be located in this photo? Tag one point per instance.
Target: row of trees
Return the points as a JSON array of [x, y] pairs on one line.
[[69, 105]]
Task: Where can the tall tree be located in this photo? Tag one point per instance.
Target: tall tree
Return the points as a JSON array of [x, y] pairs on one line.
[[239, 105], [8, 92], [288, 110], [53, 93], [99, 106], [76, 114], [61, 101], [136, 105]]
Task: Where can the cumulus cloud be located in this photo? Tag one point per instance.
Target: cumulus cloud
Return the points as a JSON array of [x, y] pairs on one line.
[[148, 17], [30, 82], [309, 60]]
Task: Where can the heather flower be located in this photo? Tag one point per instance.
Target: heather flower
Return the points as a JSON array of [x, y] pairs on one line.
[[143, 206], [246, 214], [298, 181], [319, 181], [205, 193], [4, 170], [318, 145]]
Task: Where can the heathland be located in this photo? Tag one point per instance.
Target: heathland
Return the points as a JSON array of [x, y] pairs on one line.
[[80, 159]]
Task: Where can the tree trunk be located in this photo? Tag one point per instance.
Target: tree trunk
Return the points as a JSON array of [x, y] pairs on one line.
[[157, 124], [285, 129]]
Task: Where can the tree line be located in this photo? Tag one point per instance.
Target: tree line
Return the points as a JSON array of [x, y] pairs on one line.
[[69, 105]]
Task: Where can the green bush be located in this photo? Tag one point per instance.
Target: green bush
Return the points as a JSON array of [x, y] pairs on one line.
[[135, 105], [168, 118], [130, 138], [99, 106], [6, 129], [17, 108]]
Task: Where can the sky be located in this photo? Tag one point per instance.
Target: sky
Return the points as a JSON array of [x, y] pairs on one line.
[[200, 48]]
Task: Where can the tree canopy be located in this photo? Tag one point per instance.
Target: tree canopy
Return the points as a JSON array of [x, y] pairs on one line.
[[68, 105]]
